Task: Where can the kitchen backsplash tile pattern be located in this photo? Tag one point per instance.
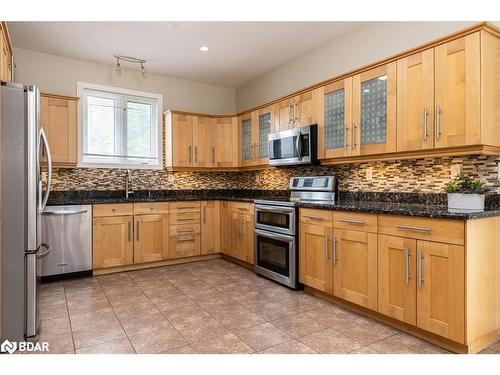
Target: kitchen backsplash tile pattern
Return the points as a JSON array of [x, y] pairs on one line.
[[421, 176]]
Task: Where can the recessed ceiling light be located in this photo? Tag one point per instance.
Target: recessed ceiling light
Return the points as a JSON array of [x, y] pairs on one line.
[[204, 49]]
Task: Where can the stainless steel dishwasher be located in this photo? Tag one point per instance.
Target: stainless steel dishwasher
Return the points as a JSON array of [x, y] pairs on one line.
[[68, 232]]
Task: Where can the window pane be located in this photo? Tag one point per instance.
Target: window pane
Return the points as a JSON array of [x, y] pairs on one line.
[[101, 126], [139, 129]]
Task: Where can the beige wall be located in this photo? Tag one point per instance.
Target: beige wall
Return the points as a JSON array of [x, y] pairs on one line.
[[360, 47], [59, 75]]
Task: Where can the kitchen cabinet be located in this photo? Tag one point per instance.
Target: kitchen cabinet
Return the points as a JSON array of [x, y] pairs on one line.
[[355, 267], [242, 237], [203, 145], [112, 241], [185, 229], [254, 129], [225, 228], [179, 139], [225, 142], [210, 227], [246, 140], [59, 120], [6, 54], [335, 121], [300, 110], [150, 238], [374, 111]]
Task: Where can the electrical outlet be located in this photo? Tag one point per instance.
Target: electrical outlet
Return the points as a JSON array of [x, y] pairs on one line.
[[170, 177], [455, 170], [369, 174]]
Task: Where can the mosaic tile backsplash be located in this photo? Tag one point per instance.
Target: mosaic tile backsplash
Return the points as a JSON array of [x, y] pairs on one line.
[[412, 176]]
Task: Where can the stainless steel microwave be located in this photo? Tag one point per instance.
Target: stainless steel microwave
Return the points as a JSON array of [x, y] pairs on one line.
[[294, 146]]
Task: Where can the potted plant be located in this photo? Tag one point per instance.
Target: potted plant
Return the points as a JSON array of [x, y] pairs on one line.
[[465, 193]]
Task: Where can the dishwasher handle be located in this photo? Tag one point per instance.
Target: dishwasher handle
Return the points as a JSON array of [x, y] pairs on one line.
[[74, 212], [44, 253]]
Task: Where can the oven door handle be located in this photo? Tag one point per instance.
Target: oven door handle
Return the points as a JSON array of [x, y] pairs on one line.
[[278, 210], [274, 236]]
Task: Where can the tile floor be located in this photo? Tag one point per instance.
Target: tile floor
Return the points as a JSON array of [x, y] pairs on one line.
[[206, 307]]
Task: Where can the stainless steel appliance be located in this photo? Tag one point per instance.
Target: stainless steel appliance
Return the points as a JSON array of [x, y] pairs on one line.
[[276, 227], [23, 201], [68, 229], [294, 146]]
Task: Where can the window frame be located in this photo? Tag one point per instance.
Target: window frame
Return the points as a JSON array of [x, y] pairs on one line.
[[81, 86]]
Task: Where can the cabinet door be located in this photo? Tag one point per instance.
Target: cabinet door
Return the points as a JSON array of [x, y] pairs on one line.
[[283, 115], [355, 267], [59, 122], [226, 228], [210, 227], [182, 140], [457, 91], [5, 58], [441, 289], [112, 241], [183, 246], [238, 236], [225, 142], [246, 141], [415, 101], [248, 235], [305, 108], [151, 238], [203, 155], [335, 124], [315, 265], [374, 111], [397, 295], [264, 127]]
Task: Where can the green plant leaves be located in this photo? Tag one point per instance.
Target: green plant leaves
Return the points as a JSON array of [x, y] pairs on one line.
[[465, 185]]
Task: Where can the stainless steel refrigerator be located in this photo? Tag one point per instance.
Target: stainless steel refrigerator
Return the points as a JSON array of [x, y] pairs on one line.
[[23, 144]]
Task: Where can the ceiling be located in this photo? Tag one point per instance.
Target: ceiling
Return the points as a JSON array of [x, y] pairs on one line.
[[239, 51]]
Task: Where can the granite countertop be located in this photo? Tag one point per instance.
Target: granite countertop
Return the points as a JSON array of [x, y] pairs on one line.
[[407, 204]]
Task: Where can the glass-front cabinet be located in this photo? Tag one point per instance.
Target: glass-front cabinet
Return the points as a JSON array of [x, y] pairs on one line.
[[264, 127], [374, 111], [247, 146], [254, 129]]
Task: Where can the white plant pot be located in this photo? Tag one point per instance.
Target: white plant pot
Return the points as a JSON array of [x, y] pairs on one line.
[[466, 201]]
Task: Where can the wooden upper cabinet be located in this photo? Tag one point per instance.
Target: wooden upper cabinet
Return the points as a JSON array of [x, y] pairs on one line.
[[335, 119], [283, 115], [415, 101], [203, 142], [150, 238], [441, 289], [6, 59], [397, 295], [59, 118], [264, 125], [112, 241], [246, 139], [374, 111], [225, 142], [301, 110], [457, 92], [179, 139]]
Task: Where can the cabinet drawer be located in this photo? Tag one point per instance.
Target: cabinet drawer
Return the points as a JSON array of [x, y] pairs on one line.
[[122, 209], [185, 206], [312, 216], [355, 221], [151, 208], [184, 229], [185, 218], [421, 228], [242, 207], [184, 246]]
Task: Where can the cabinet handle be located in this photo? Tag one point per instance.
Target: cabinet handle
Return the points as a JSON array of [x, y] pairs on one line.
[[204, 215], [334, 250], [353, 135], [295, 112], [189, 153], [438, 121], [407, 266], [185, 230], [349, 221], [416, 229], [213, 155], [187, 239], [345, 137], [137, 229], [313, 217], [196, 154], [326, 247], [420, 276], [185, 207], [129, 231], [290, 115], [426, 130], [242, 208], [185, 219]]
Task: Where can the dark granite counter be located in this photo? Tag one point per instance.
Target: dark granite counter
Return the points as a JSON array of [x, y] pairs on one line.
[[407, 204]]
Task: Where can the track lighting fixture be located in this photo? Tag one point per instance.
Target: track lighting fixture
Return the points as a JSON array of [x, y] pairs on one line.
[[135, 60]]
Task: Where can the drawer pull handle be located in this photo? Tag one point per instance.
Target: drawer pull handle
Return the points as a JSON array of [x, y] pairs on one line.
[[348, 221], [185, 207], [185, 219], [189, 239], [185, 230], [242, 208], [416, 229], [312, 217]]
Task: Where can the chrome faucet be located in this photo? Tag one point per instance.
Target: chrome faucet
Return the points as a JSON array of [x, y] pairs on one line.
[[128, 181]]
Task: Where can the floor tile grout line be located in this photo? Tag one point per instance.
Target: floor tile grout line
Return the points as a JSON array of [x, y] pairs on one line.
[[69, 320]]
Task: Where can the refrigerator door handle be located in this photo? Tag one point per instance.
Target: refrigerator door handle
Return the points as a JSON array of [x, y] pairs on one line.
[[43, 138]]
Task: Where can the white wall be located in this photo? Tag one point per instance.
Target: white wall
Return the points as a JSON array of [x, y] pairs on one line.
[[360, 47], [58, 75]]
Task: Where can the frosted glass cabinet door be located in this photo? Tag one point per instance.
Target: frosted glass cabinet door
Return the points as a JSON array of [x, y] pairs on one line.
[[246, 140], [335, 135], [264, 131], [374, 111]]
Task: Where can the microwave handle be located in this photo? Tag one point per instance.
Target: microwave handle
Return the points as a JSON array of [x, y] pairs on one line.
[[298, 145]]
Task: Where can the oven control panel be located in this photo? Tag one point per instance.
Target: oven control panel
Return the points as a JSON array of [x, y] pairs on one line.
[[320, 183]]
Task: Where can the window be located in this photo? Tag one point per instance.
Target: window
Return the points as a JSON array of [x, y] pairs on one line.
[[120, 128]]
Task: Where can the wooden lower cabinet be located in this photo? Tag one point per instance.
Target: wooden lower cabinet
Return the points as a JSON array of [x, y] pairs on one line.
[[226, 244], [210, 227], [150, 238], [397, 278], [112, 241], [185, 246], [441, 289], [242, 237], [315, 265], [355, 267]]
